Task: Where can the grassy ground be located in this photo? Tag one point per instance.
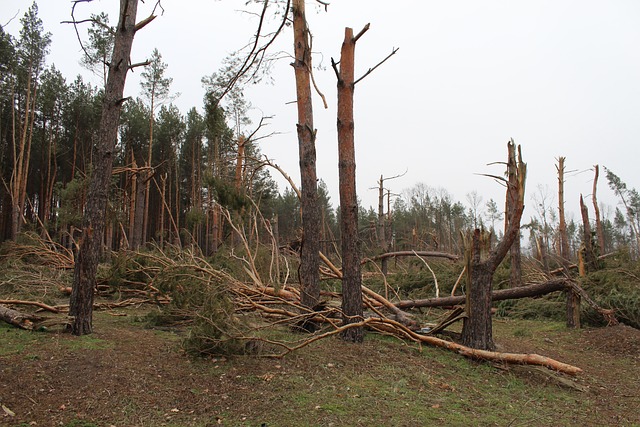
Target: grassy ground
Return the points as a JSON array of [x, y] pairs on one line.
[[127, 375]]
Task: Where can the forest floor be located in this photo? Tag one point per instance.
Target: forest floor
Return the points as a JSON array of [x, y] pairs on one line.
[[126, 374]]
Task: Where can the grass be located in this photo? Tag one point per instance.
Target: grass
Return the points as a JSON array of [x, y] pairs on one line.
[[329, 383]]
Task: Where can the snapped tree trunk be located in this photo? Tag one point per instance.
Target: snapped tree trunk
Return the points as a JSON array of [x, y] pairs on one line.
[[352, 311], [477, 326], [477, 331], [562, 225], [93, 224], [599, 227], [309, 254], [587, 240], [512, 203]]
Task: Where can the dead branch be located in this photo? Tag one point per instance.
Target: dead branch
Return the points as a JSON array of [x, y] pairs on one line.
[[370, 70], [435, 279], [33, 303]]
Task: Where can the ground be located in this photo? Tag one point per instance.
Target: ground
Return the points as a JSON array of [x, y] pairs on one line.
[[128, 375]]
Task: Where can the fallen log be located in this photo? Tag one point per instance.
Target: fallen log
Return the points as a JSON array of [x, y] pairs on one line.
[[499, 295], [431, 254], [400, 315], [401, 331], [18, 319]]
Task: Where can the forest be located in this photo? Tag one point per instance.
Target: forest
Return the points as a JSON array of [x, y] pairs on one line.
[[132, 207]]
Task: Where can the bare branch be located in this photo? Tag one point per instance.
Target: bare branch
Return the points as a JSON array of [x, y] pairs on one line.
[[393, 52], [361, 33], [140, 25]]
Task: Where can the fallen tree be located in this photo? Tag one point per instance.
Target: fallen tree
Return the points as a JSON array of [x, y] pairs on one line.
[[18, 319], [431, 254], [533, 290]]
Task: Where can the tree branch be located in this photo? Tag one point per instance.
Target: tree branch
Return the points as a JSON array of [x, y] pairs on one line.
[[393, 52]]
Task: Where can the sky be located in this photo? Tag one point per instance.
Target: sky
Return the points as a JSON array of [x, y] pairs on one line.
[[562, 78]]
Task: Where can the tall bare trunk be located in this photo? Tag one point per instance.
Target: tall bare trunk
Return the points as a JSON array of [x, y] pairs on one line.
[[562, 225], [599, 227], [81, 302], [512, 204], [351, 276], [309, 256]]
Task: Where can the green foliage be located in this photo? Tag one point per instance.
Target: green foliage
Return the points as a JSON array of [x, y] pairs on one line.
[[550, 308], [228, 195], [200, 297]]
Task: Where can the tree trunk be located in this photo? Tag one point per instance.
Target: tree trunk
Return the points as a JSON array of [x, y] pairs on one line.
[[589, 254], [599, 227], [562, 225], [309, 258], [81, 302], [512, 203], [477, 327], [477, 331], [382, 232], [499, 295], [352, 311]]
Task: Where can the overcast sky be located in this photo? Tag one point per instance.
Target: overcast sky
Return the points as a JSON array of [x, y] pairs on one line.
[[560, 77]]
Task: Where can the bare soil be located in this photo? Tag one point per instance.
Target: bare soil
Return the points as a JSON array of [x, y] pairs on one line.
[[127, 375]]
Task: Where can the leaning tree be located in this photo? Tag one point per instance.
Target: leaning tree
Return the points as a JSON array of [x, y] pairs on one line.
[[93, 223]]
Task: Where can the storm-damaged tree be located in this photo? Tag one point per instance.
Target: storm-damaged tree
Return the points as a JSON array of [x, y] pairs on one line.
[[352, 311], [573, 299], [93, 224], [477, 328], [309, 255]]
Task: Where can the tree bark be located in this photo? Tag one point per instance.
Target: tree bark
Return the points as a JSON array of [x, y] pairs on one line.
[[82, 295], [477, 331], [352, 311], [309, 258]]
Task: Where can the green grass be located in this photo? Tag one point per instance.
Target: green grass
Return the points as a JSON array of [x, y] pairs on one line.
[[16, 341]]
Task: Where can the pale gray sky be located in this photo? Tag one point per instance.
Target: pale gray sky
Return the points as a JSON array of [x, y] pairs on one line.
[[560, 77]]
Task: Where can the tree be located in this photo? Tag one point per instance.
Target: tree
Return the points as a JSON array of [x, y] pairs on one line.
[[309, 255], [477, 327], [155, 88], [631, 201], [562, 225], [594, 198], [352, 311], [100, 46], [93, 224], [31, 49]]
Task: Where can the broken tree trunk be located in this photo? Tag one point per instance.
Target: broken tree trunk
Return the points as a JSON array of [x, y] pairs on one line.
[[499, 295], [18, 319], [599, 226], [352, 310], [477, 327], [515, 253]]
